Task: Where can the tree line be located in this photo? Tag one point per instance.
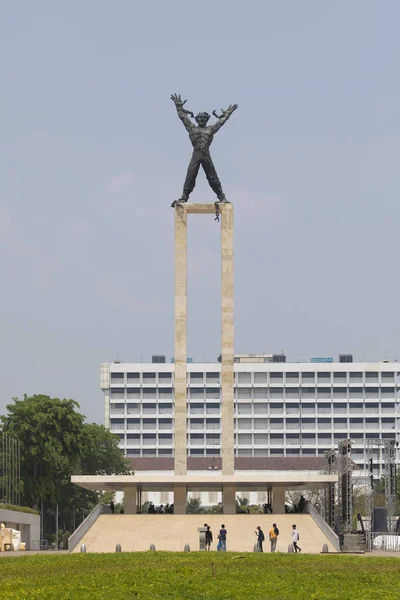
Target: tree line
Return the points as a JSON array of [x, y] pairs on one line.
[[57, 442]]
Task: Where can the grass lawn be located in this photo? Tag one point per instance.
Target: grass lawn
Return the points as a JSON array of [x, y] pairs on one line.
[[197, 576]]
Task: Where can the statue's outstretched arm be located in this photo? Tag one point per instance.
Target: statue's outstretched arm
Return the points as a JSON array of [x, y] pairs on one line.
[[182, 114], [224, 117]]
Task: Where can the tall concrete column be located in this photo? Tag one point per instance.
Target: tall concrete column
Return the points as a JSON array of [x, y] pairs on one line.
[[180, 499], [229, 500], [278, 500], [180, 340], [227, 327], [130, 505]]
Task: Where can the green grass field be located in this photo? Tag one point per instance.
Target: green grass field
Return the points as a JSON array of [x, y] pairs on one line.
[[197, 576]]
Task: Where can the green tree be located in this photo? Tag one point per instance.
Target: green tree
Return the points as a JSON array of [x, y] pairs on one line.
[[194, 506], [50, 431], [100, 453]]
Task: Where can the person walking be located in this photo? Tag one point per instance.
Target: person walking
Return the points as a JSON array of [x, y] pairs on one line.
[[209, 538], [112, 507], [273, 536], [295, 539], [260, 538], [222, 539]]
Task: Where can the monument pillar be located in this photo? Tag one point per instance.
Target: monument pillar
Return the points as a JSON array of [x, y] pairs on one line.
[[180, 340], [227, 334]]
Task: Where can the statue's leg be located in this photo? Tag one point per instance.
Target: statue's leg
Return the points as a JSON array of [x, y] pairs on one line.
[[191, 176], [190, 180], [212, 177]]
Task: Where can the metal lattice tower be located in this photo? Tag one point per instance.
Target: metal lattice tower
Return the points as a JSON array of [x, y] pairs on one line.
[[388, 448], [345, 492], [331, 465]]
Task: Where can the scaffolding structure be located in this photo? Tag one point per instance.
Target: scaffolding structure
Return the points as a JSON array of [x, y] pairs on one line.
[[388, 448], [345, 491], [328, 506], [10, 470]]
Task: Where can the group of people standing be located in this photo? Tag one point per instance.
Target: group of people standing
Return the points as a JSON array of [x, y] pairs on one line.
[[273, 538], [221, 546]]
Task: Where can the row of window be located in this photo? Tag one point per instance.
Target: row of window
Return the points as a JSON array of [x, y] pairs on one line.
[[247, 393], [261, 377]]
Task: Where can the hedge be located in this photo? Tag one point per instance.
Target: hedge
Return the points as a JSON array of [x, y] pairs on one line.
[[24, 509]]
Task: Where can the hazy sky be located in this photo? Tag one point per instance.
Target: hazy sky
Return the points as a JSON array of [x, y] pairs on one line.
[[92, 154]]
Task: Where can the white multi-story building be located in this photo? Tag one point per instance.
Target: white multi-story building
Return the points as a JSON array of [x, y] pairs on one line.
[[282, 409]]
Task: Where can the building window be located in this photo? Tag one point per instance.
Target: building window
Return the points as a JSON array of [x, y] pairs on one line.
[[260, 393], [165, 423], [308, 393], [196, 393], [276, 423], [371, 377], [276, 439], [165, 439], [213, 393], [213, 408], [292, 423], [276, 377], [308, 377], [292, 392], [276, 408], [212, 378], [117, 394], [323, 392], [149, 377], [260, 377], [276, 392], [196, 378], [244, 393], [340, 423], [292, 377], [244, 423], [324, 376], [165, 393], [133, 394], [260, 408], [244, 377], [117, 377], [386, 377], [356, 377], [339, 377], [245, 452], [133, 378]]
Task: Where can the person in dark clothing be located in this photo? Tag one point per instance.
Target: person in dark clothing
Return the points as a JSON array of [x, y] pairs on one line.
[[209, 538], [112, 506], [301, 504], [260, 538], [222, 539]]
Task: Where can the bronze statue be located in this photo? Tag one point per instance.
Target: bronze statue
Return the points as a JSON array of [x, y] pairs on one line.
[[201, 137]]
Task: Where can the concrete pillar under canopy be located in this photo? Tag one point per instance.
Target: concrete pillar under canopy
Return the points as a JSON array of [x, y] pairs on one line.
[[278, 500], [130, 504]]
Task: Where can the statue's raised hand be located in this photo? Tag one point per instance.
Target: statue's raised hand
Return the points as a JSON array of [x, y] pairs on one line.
[[231, 108], [176, 98]]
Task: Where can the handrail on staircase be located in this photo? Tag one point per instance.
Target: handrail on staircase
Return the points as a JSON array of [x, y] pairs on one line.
[[83, 528], [323, 525]]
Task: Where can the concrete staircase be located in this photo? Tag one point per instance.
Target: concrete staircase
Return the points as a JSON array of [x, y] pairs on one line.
[[171, 532], [354, 543]]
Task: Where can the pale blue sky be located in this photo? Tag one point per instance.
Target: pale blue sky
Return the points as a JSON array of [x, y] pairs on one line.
[[92, 154]]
